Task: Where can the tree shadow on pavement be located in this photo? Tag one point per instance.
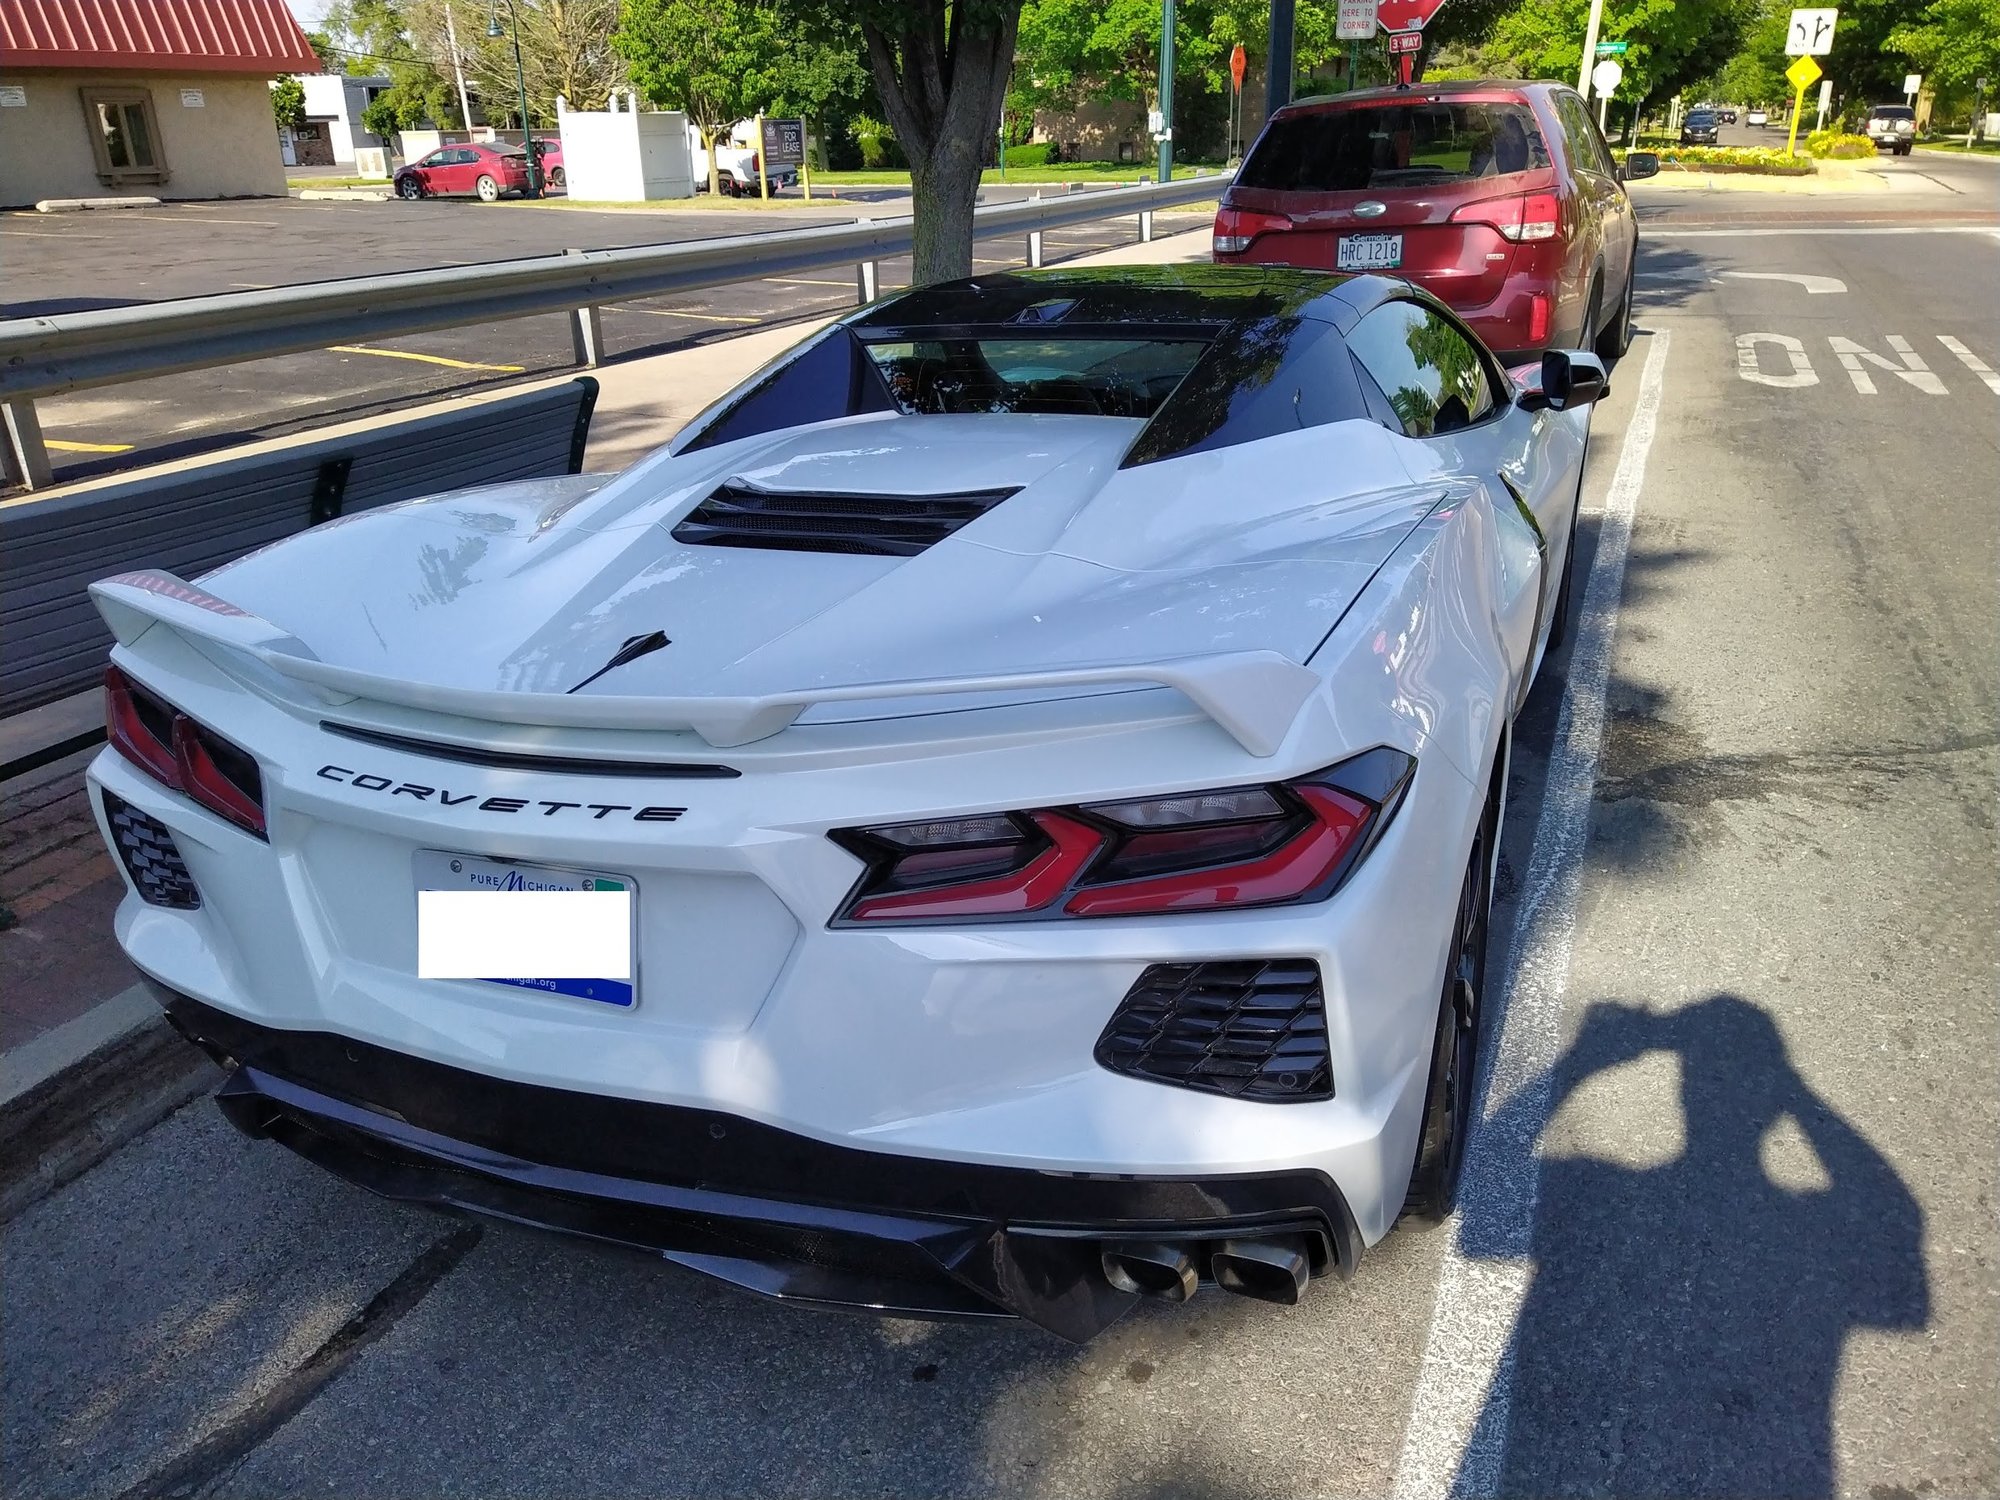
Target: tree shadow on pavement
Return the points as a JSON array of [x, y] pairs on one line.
[[1684, 1327]]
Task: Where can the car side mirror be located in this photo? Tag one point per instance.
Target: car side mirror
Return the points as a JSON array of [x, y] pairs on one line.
[[1569, 378], [1639, 164]]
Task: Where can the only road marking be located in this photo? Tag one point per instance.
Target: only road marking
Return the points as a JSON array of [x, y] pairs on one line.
[[1817, 286], [428, 359]]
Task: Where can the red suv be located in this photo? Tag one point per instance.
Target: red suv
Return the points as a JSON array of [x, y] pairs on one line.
[[1499, 198]]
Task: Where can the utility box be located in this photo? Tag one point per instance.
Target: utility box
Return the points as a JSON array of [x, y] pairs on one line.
[[625, 156]]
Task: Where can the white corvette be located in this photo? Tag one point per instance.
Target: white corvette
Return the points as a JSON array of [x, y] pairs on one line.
[[1047, 732]]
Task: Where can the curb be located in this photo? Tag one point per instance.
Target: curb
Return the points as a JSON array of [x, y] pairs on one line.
[[72, 1096], [83, 205]]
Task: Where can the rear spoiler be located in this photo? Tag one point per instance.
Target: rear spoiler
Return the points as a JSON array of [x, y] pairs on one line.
[[1254, 696]]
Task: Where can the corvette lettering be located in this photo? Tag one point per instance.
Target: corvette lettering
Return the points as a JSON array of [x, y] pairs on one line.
[[598, 811]]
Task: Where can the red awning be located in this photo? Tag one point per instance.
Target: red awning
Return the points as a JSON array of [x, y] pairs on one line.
[[154, 36]]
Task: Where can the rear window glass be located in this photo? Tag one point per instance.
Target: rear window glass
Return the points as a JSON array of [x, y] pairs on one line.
[[1894, 112], [1395, 145], [1087, 377]]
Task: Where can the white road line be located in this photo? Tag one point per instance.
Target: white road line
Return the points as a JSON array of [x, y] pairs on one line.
[[1842, 229], [1972, 362], [1455, 1438]]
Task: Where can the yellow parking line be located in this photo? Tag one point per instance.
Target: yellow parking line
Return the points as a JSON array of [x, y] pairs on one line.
[[428, 359], [809, 281], [668, 312], [62, 446]]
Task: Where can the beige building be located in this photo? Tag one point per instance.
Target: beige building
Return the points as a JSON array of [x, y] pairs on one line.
[[109, 98]]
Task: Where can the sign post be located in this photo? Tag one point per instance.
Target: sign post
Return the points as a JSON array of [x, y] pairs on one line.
[[1239, 61], [1810, 32], [1354, 23], [1802, 74], [1825, 103], [1978, 109], [1913, 84], [1605, 78]]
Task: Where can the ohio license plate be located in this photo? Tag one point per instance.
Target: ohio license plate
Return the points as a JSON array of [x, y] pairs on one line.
[[439, 870], [1369, 252]]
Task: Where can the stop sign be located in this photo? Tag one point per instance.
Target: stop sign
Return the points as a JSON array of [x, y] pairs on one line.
[[1406, 15]]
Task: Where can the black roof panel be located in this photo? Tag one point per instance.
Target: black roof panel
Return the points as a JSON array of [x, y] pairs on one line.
[[1211, 295]]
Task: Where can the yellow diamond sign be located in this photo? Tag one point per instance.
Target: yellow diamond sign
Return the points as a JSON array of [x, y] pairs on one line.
[[1804, 74]]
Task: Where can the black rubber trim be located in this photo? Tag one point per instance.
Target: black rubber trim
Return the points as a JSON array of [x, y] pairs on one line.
[[579, 433], [766, 1209], [520, 760]]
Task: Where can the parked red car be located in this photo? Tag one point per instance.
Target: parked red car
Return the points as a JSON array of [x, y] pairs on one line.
[[485, 170], [1500, 198]]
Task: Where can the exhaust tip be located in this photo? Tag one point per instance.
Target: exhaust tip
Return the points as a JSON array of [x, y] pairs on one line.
[[1151, 1269], [1273, 1270]]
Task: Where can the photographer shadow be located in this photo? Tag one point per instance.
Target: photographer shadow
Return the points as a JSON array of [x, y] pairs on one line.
[[1683, 1329]]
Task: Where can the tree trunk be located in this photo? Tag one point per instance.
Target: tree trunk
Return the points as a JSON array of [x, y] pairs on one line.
[[942, 78], [943, 191]]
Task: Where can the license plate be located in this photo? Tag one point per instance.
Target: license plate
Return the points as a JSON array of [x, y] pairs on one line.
[[439, 870], [1369, 252]]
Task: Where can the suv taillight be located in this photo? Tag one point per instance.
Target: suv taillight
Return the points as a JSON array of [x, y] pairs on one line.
[[1526, 216], [182, 755], [1235, 228], [1216, 850]]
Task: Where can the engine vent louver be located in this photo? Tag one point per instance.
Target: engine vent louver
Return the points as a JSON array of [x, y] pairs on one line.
[[741, 515]]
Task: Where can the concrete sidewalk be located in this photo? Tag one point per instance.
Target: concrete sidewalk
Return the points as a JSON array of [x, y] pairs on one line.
[[86, 1062]]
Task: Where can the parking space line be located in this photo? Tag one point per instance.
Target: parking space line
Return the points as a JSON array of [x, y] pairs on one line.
[[1454, 1442], [64, 445], [668, 312], [809, 280], [428, 359]]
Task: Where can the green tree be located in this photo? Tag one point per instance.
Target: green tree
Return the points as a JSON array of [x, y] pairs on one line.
[[567, 50], [375, 37], [288, 102], [1952, 43], [704, 59]]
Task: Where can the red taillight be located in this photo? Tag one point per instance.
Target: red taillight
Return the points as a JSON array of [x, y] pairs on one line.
[[182, 755], [1525, 216], [1199, 851], [1235, 228], [140, 727], [1538, 319], [218, 775]]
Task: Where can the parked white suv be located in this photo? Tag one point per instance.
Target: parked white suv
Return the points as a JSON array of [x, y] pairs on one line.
[[1893, 126], [736, 172]]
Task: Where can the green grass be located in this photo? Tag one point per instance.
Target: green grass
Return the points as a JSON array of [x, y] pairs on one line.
[[1981, 148], [339, 182]]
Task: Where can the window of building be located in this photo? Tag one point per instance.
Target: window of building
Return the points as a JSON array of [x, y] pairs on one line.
[[124, 136]]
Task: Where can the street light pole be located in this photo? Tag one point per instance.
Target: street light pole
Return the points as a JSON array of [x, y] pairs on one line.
[[1166, 90], [520, 82]]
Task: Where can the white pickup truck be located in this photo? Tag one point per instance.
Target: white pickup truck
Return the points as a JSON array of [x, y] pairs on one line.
[[1893, 126], [736, 171]]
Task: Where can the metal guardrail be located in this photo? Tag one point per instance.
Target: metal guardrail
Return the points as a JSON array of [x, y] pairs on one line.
[[64, 352]]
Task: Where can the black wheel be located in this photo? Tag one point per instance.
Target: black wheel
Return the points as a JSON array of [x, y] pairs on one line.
[[558, 177], [409, 188], [1616, 336], [1593, 310], [1448, 1103]]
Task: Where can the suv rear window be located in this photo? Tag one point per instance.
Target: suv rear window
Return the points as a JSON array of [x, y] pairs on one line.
[[1893, 112], [1394, 145]]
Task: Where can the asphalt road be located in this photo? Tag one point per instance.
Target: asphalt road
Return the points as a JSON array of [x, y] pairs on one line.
[[64, 263], [1729, 1226]]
